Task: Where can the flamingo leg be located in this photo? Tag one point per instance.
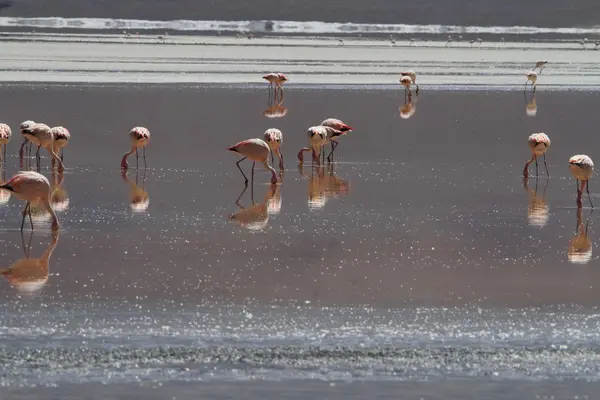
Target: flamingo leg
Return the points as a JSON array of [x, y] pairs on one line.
[[30, 219], [526, 168], [137, 164], [546, 165], [237, 202], [587, 188], [24, 215], [253, 164], [62, 154], [579, 191], [334, 144], [240, 168], [144, 157], [21, 151], [272, 158], [536, 167], [280, 160], [417, 91]]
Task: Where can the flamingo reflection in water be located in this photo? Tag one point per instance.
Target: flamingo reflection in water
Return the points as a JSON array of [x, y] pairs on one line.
[[409, 108], [29, 275], [323, 185], [275, 109], [580, 246], [537, 208], [530, 104], [256, 217], [139, 200], [59, 198]]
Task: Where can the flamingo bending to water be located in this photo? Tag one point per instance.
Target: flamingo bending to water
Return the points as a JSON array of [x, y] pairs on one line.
[[256, 150], [539, 144], [582, 168], [318, 136], [31, 186], [140, 137], [413, 75], [42, 135], [337, 125], [61, 139], [274, 138]]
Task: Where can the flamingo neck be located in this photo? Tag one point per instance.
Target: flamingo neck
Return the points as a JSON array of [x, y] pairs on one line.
[[124, 159]]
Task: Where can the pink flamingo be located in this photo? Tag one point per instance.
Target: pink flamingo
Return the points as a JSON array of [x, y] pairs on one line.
[[61, 139], [5, 134], [274, 139], [582, 168], [337, 125], [277, 79], [539, 144], [31, 186], [41, 134], [318, 136], [140, 137], [27, 137], [413, 75], [256, 150]]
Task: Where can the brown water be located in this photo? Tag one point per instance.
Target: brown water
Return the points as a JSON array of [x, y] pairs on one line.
[[421, 234]]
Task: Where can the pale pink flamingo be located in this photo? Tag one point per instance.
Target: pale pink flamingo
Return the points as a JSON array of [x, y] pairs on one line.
[[256, 150], [531, 77], [139, 137], [582, 168], [318, 136], [541, 65], [538, 144], [277, 79], [61, 139], [406, 81], [41, 134], [5, 134], [27, 138], [274, 139], [413, 75], [337, 125], [31, 186]]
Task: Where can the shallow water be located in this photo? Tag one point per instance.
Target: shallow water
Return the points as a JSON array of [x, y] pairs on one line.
[[418, 252]]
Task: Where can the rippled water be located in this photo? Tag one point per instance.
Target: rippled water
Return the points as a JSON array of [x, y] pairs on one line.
[[419, 254]]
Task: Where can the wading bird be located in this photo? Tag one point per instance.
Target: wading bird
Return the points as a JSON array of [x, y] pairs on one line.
[[582, 168], [413, 76], [42, 135], [538, 144], [274, 138], [139, 137], [61, 139], [337, 125], [531, 77], [256, 150], [318, 136], [5, 134], [27, 138], [541, 65], [31, 186], [277, 79]]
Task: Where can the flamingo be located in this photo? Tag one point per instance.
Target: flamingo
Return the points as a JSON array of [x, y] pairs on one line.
[[27, 138], [539, 144], [140, 137], [337, 125], [256, 150], [29, 275], [406, 81], [318, 136], [42, 135], [531, 76], [31, 186], [274, 139], [413, 76], [5, 134], [541, 65], [278, 79], [61, 139], [582, 168]]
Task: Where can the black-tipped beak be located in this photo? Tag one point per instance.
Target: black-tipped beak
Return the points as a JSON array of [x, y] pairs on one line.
[[7, 187]]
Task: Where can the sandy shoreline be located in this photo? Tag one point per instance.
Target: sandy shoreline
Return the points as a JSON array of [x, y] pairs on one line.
[[219, 60]]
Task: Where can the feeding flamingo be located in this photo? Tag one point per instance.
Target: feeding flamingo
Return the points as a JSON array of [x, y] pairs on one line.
[[27, 137], [139, 137], [256, 150], [318, 136], [582, 168], [274, 139], [406, 81], [413, 75], [61, 139], [42, 135], [277, 79], [337, 125], [539, 144], [5, 134], [31, 186], [531, 77]]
